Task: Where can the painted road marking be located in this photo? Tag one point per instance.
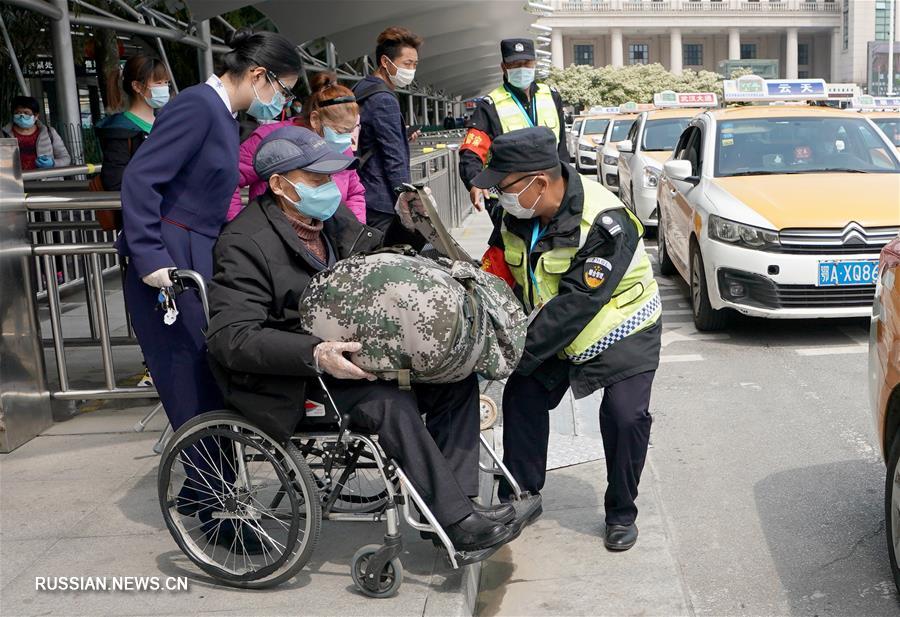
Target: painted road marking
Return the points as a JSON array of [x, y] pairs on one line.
[[833, 350], [688, 357]]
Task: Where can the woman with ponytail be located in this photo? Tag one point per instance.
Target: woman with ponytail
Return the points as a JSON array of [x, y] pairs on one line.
[[331, 112], [142, 89], [175, 194]]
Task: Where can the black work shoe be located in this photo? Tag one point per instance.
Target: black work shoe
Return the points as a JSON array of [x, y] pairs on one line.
[[476, 532], [503, 513], [620, 537]]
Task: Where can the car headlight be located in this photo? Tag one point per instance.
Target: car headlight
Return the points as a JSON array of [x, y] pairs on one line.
[[748, 236], [609, 159], [586, 147], [651, 178]]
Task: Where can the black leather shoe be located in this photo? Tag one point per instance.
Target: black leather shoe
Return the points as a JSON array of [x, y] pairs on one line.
[[620, 537], [476, 532], [503, 513]]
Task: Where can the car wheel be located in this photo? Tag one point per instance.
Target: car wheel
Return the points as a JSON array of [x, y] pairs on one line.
[[892, 507], [706, 318], [666, 266]]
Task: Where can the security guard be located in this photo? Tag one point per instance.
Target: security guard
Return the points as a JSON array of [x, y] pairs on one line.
[[581, 272], [518, 103]]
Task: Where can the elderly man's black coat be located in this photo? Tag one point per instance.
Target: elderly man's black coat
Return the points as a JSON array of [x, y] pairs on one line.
[[261, 359]]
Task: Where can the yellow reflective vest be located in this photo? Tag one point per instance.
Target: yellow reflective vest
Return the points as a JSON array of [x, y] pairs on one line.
[[635, 304], [513, 117]]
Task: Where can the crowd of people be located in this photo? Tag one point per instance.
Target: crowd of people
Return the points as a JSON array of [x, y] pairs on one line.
[[329, 182]]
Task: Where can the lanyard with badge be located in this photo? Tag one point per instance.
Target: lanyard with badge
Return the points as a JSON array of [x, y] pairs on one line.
[[518, 103], [536, 234]]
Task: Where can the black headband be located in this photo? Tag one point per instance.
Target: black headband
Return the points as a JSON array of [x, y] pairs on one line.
[[338, 101]]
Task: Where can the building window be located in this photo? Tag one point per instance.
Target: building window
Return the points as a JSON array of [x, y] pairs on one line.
[[803, 54], [748, 51], [803, 74], [693, 55], [882, 20], [845, 25], [584, 54], [638, 53]]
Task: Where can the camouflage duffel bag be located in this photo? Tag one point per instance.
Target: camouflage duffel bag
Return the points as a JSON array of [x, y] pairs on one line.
[[419, 320]]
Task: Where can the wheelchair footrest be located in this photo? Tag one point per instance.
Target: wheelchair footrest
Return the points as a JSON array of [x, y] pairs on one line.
[[464, 558]]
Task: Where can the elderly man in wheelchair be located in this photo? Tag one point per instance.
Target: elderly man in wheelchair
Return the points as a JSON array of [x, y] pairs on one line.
[[270, 474]]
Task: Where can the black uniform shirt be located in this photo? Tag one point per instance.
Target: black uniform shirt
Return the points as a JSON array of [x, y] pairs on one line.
[[613, 239], [485, 120]]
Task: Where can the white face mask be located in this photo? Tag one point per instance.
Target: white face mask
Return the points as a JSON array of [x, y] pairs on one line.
[[403, 77], [510, 202]]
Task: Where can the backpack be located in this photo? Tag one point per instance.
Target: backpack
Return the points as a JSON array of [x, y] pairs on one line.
[[420, 320]]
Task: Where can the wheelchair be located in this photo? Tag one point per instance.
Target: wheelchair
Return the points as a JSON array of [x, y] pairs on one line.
[[247, 509]]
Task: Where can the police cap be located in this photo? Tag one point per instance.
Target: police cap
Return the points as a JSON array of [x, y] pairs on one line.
[[531, 149], [514, 50]]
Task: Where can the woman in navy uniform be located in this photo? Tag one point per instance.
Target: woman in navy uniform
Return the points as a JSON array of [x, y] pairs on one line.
[[175, 194]]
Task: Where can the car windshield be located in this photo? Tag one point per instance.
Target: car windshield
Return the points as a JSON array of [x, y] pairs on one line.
[[662, 135], [763, 146], [596, 126], [620, 130], [890, 127]]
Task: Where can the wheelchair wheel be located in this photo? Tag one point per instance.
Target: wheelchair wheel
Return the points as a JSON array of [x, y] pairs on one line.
[[241, 506], [348, 469], [389, 579], [489, 412]]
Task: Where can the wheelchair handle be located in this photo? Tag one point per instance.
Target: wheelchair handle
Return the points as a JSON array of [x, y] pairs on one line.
[[183, 279]]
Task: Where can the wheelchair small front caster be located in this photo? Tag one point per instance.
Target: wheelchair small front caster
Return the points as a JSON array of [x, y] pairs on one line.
[[489, 412], [383, 585]]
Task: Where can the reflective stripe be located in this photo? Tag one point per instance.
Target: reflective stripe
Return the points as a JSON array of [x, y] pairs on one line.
[[629, 326]]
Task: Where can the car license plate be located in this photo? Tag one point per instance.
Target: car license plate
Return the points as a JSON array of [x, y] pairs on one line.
[[837, 273]]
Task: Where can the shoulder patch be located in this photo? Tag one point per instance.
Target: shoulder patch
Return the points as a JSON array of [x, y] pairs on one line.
[[610, 225], [596, 270]]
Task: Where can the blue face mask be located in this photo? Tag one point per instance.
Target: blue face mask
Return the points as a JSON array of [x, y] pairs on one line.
[[318, 202], [266, 111], [159, 96], [339, 141], [520, 78], [24, 121]]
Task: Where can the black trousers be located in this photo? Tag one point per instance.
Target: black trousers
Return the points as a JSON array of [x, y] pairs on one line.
[[440, 456], [624, 425]]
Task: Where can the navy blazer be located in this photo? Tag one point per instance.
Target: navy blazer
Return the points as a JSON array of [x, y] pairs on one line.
[[383, 132], [177, 187]]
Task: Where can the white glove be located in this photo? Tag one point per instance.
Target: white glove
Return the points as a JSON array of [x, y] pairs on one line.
[[158, 279], [329, 357], [407, 203]]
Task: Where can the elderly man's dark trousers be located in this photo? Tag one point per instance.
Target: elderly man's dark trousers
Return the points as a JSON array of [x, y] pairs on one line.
[[624, 425], [440, 456]]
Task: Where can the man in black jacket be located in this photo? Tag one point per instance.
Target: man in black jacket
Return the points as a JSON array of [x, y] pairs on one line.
[[580, 269], [264, 362]]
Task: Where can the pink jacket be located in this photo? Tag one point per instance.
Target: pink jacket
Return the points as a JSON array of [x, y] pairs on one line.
[[352, 190]]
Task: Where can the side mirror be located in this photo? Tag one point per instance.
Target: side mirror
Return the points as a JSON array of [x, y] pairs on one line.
[[625, 146], [680, 170]]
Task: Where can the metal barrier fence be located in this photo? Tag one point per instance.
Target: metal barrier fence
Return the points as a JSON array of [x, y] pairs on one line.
[[62, 226]]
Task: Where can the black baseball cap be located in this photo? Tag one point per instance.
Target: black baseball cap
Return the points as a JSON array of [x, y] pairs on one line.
[[514, 50], [531, 149], [295, 147]]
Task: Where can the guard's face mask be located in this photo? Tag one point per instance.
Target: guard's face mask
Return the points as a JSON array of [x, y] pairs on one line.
[[511, 203]]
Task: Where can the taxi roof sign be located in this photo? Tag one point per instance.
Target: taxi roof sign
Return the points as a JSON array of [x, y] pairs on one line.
[[751, 88], [599, 109], [842, 91], [867, 102], [631, 107], [668, 99]]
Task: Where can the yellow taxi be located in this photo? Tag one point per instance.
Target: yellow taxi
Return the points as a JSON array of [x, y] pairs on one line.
[[778, 211], [884, 112], [649, 144]]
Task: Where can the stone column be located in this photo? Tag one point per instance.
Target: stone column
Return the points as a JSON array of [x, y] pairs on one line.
[[734, 44], [615, 47], [675, 54], [556, 48], [836, 55], [790, 65]]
